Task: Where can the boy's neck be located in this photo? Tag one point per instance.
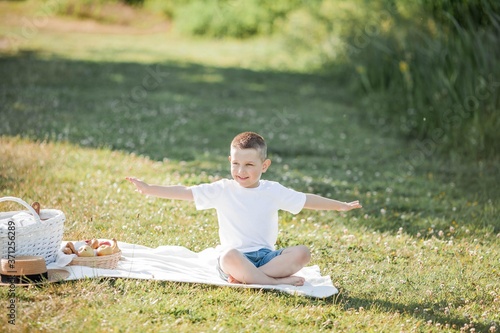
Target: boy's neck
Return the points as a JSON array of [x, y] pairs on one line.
[[250, 187]]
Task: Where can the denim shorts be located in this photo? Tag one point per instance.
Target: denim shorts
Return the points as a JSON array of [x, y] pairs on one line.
[[258, 258]]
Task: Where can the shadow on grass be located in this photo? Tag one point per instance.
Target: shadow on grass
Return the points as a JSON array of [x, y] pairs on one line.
[[190, 112], [174, 110], [431, 312]]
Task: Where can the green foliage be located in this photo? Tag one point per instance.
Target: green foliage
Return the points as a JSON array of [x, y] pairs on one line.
[[210, 18], [107, 11], [441, 81], [167, 7], [431, 74], [228, 18], [134, 2], [468, 14]]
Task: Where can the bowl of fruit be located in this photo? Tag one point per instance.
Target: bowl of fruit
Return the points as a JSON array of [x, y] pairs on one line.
[[97, 253]]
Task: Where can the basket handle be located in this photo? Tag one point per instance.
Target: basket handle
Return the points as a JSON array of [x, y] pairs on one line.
[[25, 204]]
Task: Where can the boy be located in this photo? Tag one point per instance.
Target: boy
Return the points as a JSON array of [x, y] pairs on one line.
[[247, 211]]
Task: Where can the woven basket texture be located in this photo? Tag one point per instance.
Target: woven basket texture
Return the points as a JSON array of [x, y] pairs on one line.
[[41, 238], [108, 262]]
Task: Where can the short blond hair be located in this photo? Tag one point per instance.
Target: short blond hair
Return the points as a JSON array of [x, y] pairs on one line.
[[250, 140]]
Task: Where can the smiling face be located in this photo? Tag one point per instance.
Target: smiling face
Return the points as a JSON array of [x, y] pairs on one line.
[[247, 166]]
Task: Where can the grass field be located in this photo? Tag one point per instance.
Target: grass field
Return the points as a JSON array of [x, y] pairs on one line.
[[81, 110]]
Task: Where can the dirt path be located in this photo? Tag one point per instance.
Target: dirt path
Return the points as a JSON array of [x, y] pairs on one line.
[[112, 19]]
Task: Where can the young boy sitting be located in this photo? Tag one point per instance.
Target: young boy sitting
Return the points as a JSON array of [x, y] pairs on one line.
[[247, 211]]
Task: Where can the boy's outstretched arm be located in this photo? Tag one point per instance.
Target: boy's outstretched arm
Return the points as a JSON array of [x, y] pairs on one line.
[[177, 192], [317, 202]]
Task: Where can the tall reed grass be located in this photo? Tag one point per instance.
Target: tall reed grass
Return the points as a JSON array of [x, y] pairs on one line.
[[430, 73], [425, 69]]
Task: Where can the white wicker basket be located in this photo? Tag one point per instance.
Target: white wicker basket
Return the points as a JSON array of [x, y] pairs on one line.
[[41, 238]]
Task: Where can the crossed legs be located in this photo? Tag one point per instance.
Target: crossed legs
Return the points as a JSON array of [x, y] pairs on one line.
[[277, 271]]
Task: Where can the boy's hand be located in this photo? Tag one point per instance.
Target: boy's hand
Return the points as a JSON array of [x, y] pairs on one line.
[[139, 184], [350, 205]]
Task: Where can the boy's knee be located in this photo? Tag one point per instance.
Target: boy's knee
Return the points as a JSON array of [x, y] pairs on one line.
[[304, 254], [229, 256]]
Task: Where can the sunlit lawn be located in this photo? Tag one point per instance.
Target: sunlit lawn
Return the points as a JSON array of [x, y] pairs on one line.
[[80, 112]]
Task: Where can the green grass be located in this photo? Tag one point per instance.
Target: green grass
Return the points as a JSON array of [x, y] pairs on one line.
[[422, 255]]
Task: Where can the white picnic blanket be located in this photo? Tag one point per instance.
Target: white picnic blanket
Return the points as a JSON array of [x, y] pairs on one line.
[[179, 264]]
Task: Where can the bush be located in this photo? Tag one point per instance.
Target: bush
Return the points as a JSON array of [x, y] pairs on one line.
[[446, 90], [109, 11], [239, 19], [430, 74]]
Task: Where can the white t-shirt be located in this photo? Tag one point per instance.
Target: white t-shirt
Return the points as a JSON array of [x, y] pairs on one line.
[[248, 217]]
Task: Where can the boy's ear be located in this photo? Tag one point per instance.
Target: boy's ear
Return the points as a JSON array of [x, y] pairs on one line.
[[229, 158], [266, 164]]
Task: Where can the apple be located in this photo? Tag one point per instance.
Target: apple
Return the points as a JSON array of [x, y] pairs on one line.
[[104, 250], [85, 251], [108, 243]]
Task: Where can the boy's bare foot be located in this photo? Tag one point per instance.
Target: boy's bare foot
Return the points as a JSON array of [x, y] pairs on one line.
[[292, 280]]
